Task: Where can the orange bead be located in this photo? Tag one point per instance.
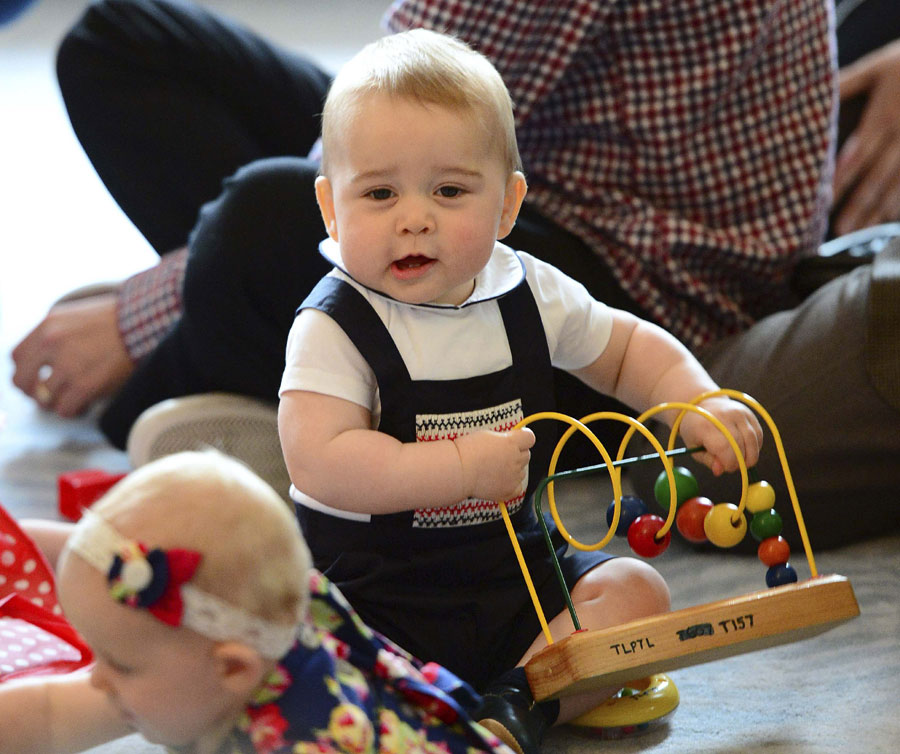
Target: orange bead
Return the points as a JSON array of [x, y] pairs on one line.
[[774, 551]]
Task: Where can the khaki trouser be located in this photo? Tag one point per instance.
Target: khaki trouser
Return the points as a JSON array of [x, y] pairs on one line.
[[828, 372]]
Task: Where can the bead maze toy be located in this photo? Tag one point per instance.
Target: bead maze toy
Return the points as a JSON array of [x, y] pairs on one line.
[[787, 611]]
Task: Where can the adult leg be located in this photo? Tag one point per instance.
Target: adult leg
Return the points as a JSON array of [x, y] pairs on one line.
[[168, 100], [829, 374], [252, 261]]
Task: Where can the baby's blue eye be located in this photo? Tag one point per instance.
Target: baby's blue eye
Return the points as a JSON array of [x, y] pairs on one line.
[[449, 192], [380, 194]]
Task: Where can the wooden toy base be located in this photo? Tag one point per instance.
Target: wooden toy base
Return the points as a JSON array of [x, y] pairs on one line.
[[597, 659]]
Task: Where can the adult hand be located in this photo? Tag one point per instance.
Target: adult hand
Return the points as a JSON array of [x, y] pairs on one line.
[[867, 173], [74, 356]]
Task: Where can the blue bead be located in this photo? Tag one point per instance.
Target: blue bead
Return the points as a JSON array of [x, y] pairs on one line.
[[781, 574], [632, 507]]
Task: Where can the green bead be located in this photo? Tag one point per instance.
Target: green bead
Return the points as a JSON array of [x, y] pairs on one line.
[[686, 486], [765, 524]]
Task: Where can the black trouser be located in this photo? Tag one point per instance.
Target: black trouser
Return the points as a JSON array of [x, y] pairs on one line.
[[168, 100], [178, 109]]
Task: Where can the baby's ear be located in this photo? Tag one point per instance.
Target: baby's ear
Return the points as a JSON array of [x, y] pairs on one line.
[[240, 667], [325, 198], [516, 188]]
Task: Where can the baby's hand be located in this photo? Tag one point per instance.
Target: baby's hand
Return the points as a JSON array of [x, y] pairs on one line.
[[738, 419], [495, 464]]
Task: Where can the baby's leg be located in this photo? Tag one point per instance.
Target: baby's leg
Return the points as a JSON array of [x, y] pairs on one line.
[[612, 593]]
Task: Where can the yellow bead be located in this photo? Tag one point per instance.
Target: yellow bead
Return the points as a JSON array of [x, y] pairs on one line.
[[760, 497], [720, 528]]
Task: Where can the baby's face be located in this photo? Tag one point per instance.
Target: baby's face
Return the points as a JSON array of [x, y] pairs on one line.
[[161, 680], [416, 195]]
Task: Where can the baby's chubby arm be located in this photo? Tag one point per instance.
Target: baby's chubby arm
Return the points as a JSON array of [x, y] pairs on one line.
[[56, 714], [334, 456], [643, 366]]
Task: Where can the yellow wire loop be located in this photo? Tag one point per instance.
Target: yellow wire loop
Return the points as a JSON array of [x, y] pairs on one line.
[[615, 475], [526, 574], [782, 457], [685, 407]]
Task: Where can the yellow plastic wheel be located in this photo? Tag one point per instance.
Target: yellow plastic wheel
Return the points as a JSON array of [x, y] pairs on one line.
[[633, 709]]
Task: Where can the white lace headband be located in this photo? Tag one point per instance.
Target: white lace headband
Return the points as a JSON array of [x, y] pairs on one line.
[[157, 580]]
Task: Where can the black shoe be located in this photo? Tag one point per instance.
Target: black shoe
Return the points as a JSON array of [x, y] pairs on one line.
[[520, 728]]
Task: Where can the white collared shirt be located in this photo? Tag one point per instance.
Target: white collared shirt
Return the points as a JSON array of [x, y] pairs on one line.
[[443, 341]]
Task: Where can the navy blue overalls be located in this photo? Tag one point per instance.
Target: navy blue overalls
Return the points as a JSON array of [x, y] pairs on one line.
[[445, 584]]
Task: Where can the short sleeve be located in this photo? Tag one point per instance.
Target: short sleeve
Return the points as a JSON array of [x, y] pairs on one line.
[[320, 358], [578, 327]]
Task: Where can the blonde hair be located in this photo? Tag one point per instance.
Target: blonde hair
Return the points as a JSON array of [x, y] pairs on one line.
[[253, 555], [428, 68]]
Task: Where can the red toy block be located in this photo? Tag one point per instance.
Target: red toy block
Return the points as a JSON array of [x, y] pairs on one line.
[[79, 489]]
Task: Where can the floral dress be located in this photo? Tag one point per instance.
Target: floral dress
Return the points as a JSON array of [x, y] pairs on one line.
[[345, 689]]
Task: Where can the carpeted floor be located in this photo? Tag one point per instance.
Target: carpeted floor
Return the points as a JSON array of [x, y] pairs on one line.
[[832, 693]]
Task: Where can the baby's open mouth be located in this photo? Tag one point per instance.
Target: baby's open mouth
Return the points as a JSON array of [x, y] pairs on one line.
[[412, 267], [411, 262]]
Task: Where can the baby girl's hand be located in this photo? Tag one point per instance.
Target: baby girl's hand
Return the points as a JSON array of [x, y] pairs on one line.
[[495, 464], [738, 419]]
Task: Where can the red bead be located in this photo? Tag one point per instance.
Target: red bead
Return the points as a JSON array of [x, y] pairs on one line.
[[774, 551], [642, 536], [689, 519]]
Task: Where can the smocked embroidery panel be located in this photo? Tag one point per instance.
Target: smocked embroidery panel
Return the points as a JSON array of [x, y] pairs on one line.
[[472, 511]]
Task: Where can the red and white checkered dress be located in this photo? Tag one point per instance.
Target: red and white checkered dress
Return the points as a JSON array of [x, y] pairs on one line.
[[687, 142]]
